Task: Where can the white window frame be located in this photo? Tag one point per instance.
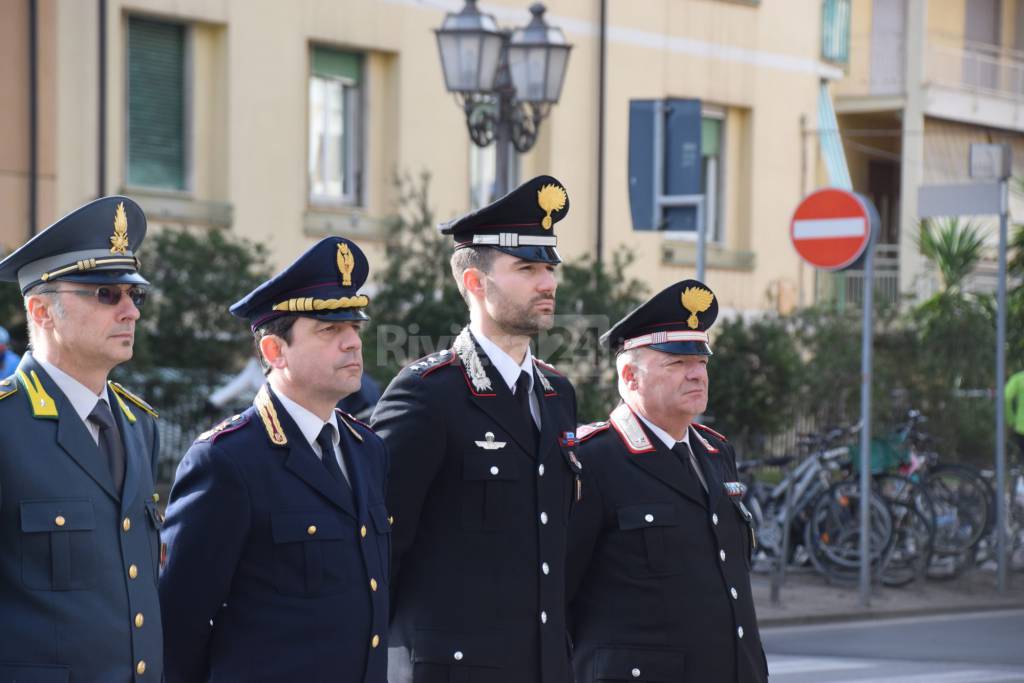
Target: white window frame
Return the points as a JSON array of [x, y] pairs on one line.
[[353, 121]]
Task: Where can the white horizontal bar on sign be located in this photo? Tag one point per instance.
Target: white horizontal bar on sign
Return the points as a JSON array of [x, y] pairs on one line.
[[824, 228]]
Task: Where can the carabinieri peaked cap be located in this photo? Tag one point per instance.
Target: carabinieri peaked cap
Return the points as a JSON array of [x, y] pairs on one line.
[[94, 244], [675, 320], [323, 283], [522, 223]]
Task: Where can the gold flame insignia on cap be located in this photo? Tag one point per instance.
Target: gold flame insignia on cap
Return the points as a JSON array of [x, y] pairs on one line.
[[550, 198], [119, 240], [346, 263], [696, 300]]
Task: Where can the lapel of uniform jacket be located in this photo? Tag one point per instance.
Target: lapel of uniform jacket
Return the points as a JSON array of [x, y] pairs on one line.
[[135, 453], [48, 402], [351, 446], [647, 452], [490, 393], [712, 475], [547, 401], [301, 460]]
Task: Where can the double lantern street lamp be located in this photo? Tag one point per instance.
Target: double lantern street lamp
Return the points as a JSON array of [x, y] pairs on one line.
[[506, 81]]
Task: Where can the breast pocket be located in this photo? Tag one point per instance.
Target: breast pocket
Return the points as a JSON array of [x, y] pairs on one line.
[[58, 544], [633, 664], [309, 552], [446, 657], [382, 528], [657, 532], [488, 487]]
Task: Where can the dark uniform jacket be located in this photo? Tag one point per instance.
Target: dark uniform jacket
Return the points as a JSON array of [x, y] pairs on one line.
[[660, 571], [273, 572], [481, 516], [78, 561]]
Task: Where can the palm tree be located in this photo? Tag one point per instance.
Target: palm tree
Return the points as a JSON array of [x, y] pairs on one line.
[[954, 247]]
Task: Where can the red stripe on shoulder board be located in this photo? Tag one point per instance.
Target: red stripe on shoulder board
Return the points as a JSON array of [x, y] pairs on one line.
[[544, 365], [710, 430]]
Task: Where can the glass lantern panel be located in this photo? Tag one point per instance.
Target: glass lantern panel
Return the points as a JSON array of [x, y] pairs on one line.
[[557, 60]]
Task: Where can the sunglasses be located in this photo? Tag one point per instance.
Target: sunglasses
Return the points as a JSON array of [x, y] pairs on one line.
[[108, 296]]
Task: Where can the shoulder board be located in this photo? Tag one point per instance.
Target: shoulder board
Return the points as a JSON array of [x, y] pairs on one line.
[[8, 387], [428, 364], [709, 430], [584, 432], [347, 420], [228, 425], [544, 366], [121, 391]]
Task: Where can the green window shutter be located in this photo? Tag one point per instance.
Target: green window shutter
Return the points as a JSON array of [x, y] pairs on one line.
[[337, 64], [710, 137], [156, 104]]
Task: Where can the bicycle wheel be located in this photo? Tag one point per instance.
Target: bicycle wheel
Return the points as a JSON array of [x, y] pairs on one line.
[[962, 502], [832, 533], [913, 529]]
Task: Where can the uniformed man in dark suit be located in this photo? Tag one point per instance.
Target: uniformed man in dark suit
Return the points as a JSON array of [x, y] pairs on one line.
[[483, 476], [660, 557], [277, 537], [79, 526]]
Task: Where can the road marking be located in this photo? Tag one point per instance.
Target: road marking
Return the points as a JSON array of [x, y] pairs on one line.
[[781, 666], [881, 622], [968, 676]]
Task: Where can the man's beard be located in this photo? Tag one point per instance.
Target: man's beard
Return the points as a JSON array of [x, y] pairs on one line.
[[519, 320]]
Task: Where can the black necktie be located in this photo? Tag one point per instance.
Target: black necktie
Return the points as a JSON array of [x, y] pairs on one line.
[[685, 453], [327, 455], [523, 398], [110, 441]]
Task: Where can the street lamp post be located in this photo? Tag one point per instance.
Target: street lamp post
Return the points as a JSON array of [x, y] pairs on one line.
[[505, 81]]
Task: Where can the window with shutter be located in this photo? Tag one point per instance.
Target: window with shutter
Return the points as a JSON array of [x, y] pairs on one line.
[[335, 126], [156, 140]]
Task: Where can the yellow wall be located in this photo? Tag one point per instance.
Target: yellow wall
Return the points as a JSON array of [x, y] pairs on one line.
[[250, 65]]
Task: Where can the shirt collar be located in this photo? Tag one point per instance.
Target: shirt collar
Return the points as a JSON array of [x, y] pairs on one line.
[[79, 396], [504, 363], [662, 435], [309, 424]]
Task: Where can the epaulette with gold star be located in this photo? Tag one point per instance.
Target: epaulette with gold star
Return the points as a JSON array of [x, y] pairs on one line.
[[228, 425], [8, 387], [124, 393]]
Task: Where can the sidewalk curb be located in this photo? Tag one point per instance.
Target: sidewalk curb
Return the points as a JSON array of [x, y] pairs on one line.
[[880, 615]]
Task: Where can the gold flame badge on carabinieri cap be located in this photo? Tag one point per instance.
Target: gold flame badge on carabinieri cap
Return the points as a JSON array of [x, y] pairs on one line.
[[550, 198], [323, 283], [675, 320]]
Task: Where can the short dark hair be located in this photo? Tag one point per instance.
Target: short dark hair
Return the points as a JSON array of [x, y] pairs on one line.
[[278, 327], [481, 258]]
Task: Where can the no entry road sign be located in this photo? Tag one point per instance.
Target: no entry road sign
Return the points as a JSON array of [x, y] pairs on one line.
[[832, 227]]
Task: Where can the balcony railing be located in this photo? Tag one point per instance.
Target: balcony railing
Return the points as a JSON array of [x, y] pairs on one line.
[[975, 67], [846, 288]]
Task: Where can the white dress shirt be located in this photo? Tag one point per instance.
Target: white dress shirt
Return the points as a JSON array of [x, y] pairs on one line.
[[508, 368], [79, 396], [670, 442], [310, 425]]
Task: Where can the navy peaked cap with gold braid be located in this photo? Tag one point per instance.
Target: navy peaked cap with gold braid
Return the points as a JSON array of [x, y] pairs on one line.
[[94, 244], [675, 320], [323, 283], [522, 223]]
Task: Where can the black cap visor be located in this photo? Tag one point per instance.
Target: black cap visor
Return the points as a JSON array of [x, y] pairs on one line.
[[682, 348]]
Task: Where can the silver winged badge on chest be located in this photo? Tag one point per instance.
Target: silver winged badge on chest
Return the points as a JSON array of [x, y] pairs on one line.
[[489, 444]]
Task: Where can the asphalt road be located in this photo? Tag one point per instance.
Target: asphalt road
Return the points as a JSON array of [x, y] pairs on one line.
[[979, 647]]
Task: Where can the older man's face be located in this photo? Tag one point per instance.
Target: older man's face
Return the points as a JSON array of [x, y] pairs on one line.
[[674, 384]]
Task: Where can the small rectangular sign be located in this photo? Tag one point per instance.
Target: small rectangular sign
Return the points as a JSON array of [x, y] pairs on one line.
[[965, 199]]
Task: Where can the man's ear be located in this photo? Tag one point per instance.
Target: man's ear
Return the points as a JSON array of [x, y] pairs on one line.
[[272, 348], [630, 374], [40, 311], [473, 281]]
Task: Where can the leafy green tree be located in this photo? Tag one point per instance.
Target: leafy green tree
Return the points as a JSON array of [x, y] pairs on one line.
[[954, 247]]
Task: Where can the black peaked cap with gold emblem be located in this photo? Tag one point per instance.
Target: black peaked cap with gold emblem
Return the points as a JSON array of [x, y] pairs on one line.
[[94, 244], [522, 223], [323, 283], [675, 320]]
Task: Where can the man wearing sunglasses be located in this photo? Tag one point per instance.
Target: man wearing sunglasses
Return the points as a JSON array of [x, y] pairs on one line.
[[79, 527]]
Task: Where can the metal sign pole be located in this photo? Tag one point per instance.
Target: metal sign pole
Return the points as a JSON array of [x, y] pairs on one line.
[[865, 412], [999, 384]]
